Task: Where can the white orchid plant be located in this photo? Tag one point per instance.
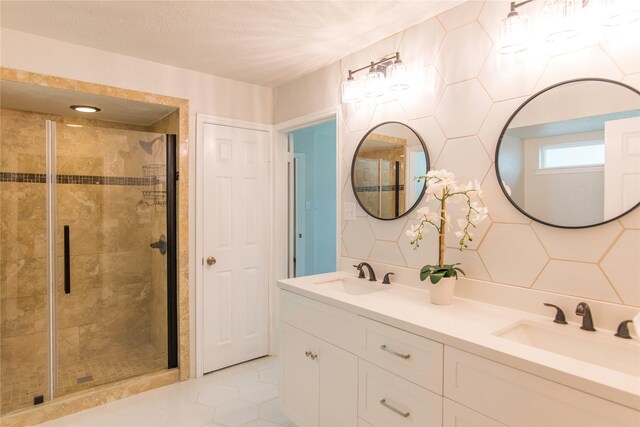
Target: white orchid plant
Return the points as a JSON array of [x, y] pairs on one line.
[[441, 185]]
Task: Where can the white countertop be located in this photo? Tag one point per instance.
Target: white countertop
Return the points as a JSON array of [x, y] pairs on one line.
[[469, 325]]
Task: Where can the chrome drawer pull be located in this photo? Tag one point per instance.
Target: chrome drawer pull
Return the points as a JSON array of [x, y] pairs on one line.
[[384, 403], [383, 347]]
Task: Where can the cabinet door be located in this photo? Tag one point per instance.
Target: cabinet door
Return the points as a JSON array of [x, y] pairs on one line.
[[454, 415], [298, 376], [338, 386]]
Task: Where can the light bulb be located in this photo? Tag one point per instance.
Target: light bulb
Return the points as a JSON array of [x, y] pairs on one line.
[[514, 33], [350, 90], [397, 75], [559, 19], [620, 12], [374, 83]]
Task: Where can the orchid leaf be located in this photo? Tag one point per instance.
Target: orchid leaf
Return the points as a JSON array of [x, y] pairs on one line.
[[435, 277]]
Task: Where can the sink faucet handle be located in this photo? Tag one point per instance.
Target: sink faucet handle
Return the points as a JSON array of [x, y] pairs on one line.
[[559, 314], [386, 280], [623, 330], [584, 311], [360, 271]]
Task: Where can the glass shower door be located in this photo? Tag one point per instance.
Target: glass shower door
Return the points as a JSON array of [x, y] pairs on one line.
[[367, 184], [111, 255]]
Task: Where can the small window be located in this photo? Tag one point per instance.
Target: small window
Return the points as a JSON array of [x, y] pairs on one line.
[[587, 153]]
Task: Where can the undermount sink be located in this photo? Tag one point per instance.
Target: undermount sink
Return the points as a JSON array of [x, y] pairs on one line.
[[600, 348], [352, 286]]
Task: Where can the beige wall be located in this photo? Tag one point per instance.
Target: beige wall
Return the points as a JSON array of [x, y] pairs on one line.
[[464, 93], [314, 92]]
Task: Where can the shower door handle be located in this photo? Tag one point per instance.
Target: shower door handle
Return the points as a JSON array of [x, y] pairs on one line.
[[67, 262]]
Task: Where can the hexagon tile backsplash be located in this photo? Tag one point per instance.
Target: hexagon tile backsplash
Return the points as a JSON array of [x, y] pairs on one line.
[[469, 91]]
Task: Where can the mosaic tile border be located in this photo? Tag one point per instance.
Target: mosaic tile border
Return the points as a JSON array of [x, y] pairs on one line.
[[41, 178], [376, 188]]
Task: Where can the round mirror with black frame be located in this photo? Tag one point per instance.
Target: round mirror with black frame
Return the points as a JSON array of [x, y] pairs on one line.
[[384, 167], [569, 156]]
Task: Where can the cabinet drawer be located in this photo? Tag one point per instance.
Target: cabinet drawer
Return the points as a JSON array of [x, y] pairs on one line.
[[384, 399], [410, 356], [331, 324], [517, 398]]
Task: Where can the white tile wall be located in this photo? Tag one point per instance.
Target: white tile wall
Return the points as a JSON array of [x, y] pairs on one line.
[[466, 93], [463, 52]]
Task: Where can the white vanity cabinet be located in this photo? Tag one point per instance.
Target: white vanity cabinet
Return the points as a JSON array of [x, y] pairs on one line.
[[318, 378], [319, 381], [456, 415], [517, 398], [339, 368]]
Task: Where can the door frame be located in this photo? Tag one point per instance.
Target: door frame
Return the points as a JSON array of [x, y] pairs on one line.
[[198, 260], [280, 226], [299, 161]]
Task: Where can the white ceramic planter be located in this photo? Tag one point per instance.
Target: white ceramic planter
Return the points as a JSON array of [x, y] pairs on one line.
[[442, 292]]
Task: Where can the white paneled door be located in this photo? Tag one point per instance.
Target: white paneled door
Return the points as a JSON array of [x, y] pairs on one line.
[[235, 245], [622, 165]]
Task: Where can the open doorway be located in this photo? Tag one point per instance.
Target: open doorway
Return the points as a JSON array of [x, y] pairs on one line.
[[313, 200]]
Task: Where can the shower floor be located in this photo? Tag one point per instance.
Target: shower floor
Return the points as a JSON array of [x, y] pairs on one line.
[[19, 391]]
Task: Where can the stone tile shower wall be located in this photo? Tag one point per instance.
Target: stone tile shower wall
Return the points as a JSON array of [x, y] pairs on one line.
[[23, 251], [468, 92], [109, 309]]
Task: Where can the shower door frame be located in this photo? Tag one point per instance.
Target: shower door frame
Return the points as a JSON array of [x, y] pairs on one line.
[[50, 127], [172, 255]]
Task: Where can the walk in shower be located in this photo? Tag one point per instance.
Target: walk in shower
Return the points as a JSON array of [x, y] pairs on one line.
[[88, 255]]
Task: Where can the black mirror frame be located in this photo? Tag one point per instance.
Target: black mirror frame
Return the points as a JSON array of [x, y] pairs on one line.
[[353, 165], [506, 126]]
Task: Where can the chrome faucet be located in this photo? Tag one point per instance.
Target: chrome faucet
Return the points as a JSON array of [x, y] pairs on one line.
[[584, 311], [372, 274]]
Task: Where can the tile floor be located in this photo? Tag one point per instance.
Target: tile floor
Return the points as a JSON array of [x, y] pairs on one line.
[[18, 391], [243, 395]]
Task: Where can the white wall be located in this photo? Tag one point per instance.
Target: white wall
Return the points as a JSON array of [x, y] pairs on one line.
[[470, 93], [206, 93]]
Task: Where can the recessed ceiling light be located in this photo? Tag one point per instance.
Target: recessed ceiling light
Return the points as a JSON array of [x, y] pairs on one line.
[[85, 108]]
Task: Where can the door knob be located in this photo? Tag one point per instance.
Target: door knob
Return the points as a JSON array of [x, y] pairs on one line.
[[211, 260]]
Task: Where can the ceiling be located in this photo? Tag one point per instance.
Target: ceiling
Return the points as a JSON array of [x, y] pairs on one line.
[[50, 100], [262, 42]]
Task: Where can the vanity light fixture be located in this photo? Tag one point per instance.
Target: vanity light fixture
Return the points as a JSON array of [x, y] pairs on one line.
[[85, 108], [514, 30], [386, 74], [620, 12], [374, 84], [561, 20], [73, 125], [397, 74]]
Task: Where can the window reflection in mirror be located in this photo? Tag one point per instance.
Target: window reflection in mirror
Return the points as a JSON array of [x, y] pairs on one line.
[[385, 164], [570, 156]]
